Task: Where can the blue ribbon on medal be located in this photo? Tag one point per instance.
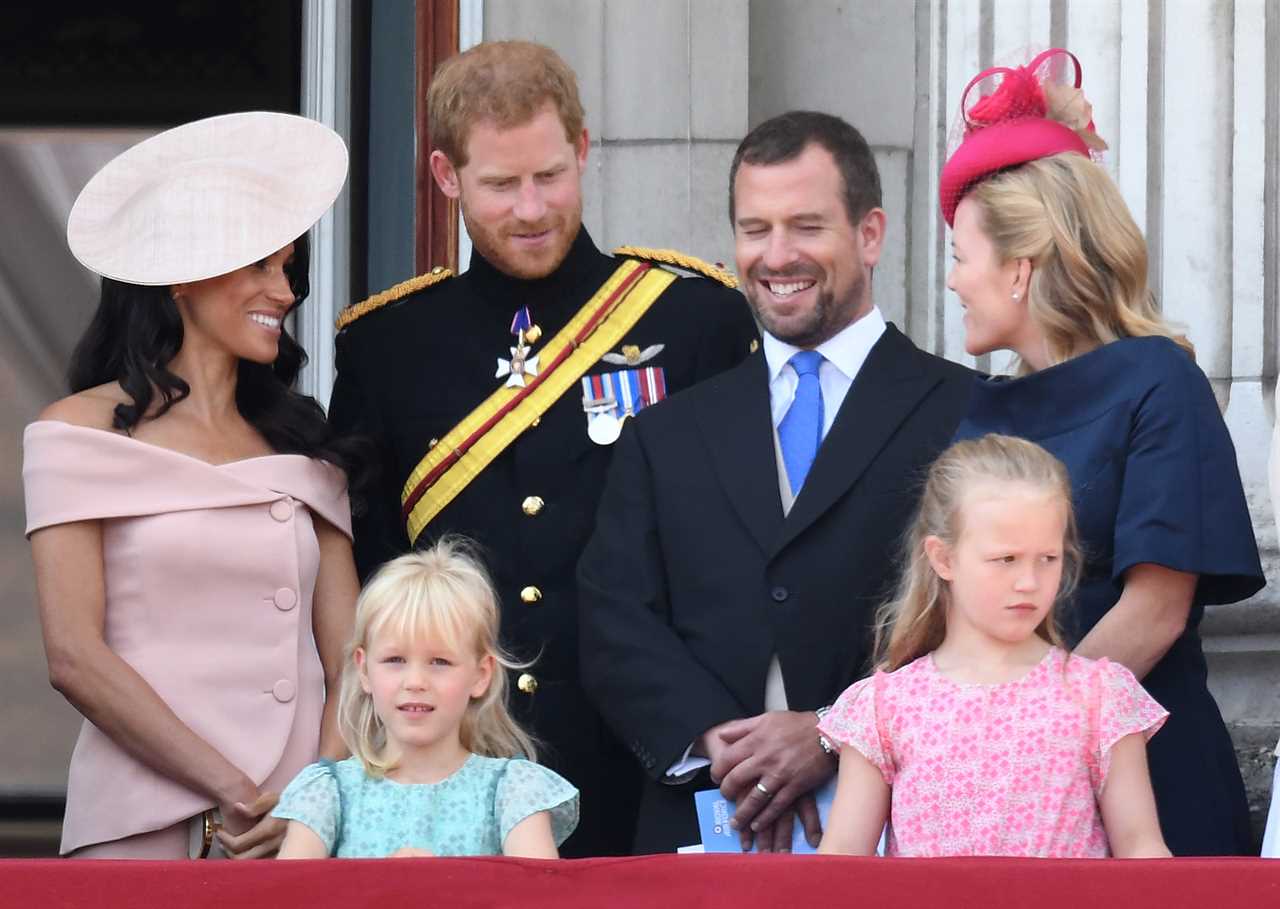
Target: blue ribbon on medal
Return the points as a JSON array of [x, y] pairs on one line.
[[608, 399]]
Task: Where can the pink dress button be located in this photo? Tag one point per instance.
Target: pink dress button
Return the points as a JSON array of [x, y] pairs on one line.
[[281, 510], [283, 691], [285, 599]]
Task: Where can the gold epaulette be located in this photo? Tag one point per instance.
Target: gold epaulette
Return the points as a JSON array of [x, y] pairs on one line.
[[390, 295], [679, 260]]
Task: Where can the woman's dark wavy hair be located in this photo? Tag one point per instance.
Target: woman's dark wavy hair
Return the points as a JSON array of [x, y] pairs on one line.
[[135, 333]]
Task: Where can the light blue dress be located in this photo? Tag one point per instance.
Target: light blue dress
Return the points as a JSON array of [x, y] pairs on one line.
[[468, 813]]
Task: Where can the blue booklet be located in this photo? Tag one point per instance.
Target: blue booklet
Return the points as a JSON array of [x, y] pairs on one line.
[[714, 811]]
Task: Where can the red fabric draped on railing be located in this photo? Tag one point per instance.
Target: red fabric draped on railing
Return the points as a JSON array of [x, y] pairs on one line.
[[668, 881]]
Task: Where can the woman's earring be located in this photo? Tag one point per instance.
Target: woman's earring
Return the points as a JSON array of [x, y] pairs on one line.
[[1016, 295]]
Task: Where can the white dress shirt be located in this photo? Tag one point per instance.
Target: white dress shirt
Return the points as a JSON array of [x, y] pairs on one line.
[[843, 356]]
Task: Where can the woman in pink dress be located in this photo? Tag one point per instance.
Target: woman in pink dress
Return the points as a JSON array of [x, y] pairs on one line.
[[187, 509], [982, 735]]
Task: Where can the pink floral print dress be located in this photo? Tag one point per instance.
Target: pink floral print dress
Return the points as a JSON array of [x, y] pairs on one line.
[[1009, 769]]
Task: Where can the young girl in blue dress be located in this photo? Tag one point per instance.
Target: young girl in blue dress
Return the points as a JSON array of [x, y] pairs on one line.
[[438, 765]]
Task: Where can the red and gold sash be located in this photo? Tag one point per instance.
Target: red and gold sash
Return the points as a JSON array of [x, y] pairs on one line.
[[483, 434]]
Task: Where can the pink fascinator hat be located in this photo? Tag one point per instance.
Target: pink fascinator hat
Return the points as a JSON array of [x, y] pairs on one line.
[[1019, 114]]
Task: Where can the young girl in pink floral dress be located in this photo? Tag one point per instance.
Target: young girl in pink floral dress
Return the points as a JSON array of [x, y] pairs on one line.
[[981, 735]]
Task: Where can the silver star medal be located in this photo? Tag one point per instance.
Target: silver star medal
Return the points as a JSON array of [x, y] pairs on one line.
[[520, 367]]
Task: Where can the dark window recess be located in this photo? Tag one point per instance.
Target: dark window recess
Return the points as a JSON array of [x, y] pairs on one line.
[[89, 63]]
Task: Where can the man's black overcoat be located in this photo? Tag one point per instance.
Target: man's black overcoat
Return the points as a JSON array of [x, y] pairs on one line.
[[694, 578]]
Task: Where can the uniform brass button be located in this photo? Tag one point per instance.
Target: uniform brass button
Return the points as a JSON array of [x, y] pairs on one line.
[[536, 421], [433, 443], [437, 270], [527, 683], [531, 594], [754, 346], [532, 505]]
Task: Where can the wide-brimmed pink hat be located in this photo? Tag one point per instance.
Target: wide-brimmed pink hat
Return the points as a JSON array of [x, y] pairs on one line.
[[1025, 113], [208, 197]]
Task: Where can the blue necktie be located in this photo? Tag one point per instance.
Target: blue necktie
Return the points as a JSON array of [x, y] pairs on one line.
[[800, 432]]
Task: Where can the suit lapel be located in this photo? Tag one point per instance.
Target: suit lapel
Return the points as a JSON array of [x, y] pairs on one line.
[[892, 381], [737, 428]]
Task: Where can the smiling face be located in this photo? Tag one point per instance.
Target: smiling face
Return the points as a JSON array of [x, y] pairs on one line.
[[1005, 567], [804, 267], [240, 312], [421, 689], [520, 192], [992, 292]]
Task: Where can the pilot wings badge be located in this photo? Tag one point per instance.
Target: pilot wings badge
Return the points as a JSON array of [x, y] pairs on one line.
[[632, 355]]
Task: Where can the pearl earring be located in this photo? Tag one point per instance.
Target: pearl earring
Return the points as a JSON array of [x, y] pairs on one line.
[[1016, 295]]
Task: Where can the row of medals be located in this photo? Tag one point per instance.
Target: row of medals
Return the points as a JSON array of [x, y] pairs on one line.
[[603, 424]]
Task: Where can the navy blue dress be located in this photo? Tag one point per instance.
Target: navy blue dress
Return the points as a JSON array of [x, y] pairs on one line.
[[1154, 479]]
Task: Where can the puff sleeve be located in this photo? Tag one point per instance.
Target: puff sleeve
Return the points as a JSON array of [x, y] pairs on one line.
[[854, 720], [1120, 707], [527, 788], [313, 799]]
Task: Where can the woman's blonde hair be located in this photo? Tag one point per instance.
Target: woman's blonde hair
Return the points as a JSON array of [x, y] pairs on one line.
[[443, 593], [1089, 259], [914, 622]]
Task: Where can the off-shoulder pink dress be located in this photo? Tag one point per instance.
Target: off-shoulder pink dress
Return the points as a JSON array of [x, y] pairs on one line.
[[1011, 769], [210, 572]]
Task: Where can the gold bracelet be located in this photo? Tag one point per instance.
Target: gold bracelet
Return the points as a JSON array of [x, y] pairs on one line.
[[210, 828]]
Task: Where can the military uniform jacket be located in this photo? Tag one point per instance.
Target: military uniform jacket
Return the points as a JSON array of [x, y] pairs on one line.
[[410, 371], [701, 579]]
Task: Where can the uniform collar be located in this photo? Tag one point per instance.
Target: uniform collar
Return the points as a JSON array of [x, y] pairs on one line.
[[583, 270]]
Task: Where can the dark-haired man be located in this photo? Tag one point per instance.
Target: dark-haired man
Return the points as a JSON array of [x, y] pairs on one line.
[[580, 341], [749, 526]]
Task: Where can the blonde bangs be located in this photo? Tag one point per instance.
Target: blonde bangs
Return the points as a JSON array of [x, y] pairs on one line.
[[436, 608]]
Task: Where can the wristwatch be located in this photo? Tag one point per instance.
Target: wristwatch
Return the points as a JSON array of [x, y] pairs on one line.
[[825, 742]]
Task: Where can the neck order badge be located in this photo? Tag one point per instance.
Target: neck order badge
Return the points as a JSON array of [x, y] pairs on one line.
[[521, 367]]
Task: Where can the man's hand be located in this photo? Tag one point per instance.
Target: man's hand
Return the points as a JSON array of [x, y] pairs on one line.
[[769, 762], [711, 746], [778, 836]]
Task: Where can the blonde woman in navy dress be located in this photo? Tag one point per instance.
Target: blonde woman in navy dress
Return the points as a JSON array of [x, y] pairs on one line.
[[1050, 265]]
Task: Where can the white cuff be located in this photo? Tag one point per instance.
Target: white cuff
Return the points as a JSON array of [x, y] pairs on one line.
[[683, 770]]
